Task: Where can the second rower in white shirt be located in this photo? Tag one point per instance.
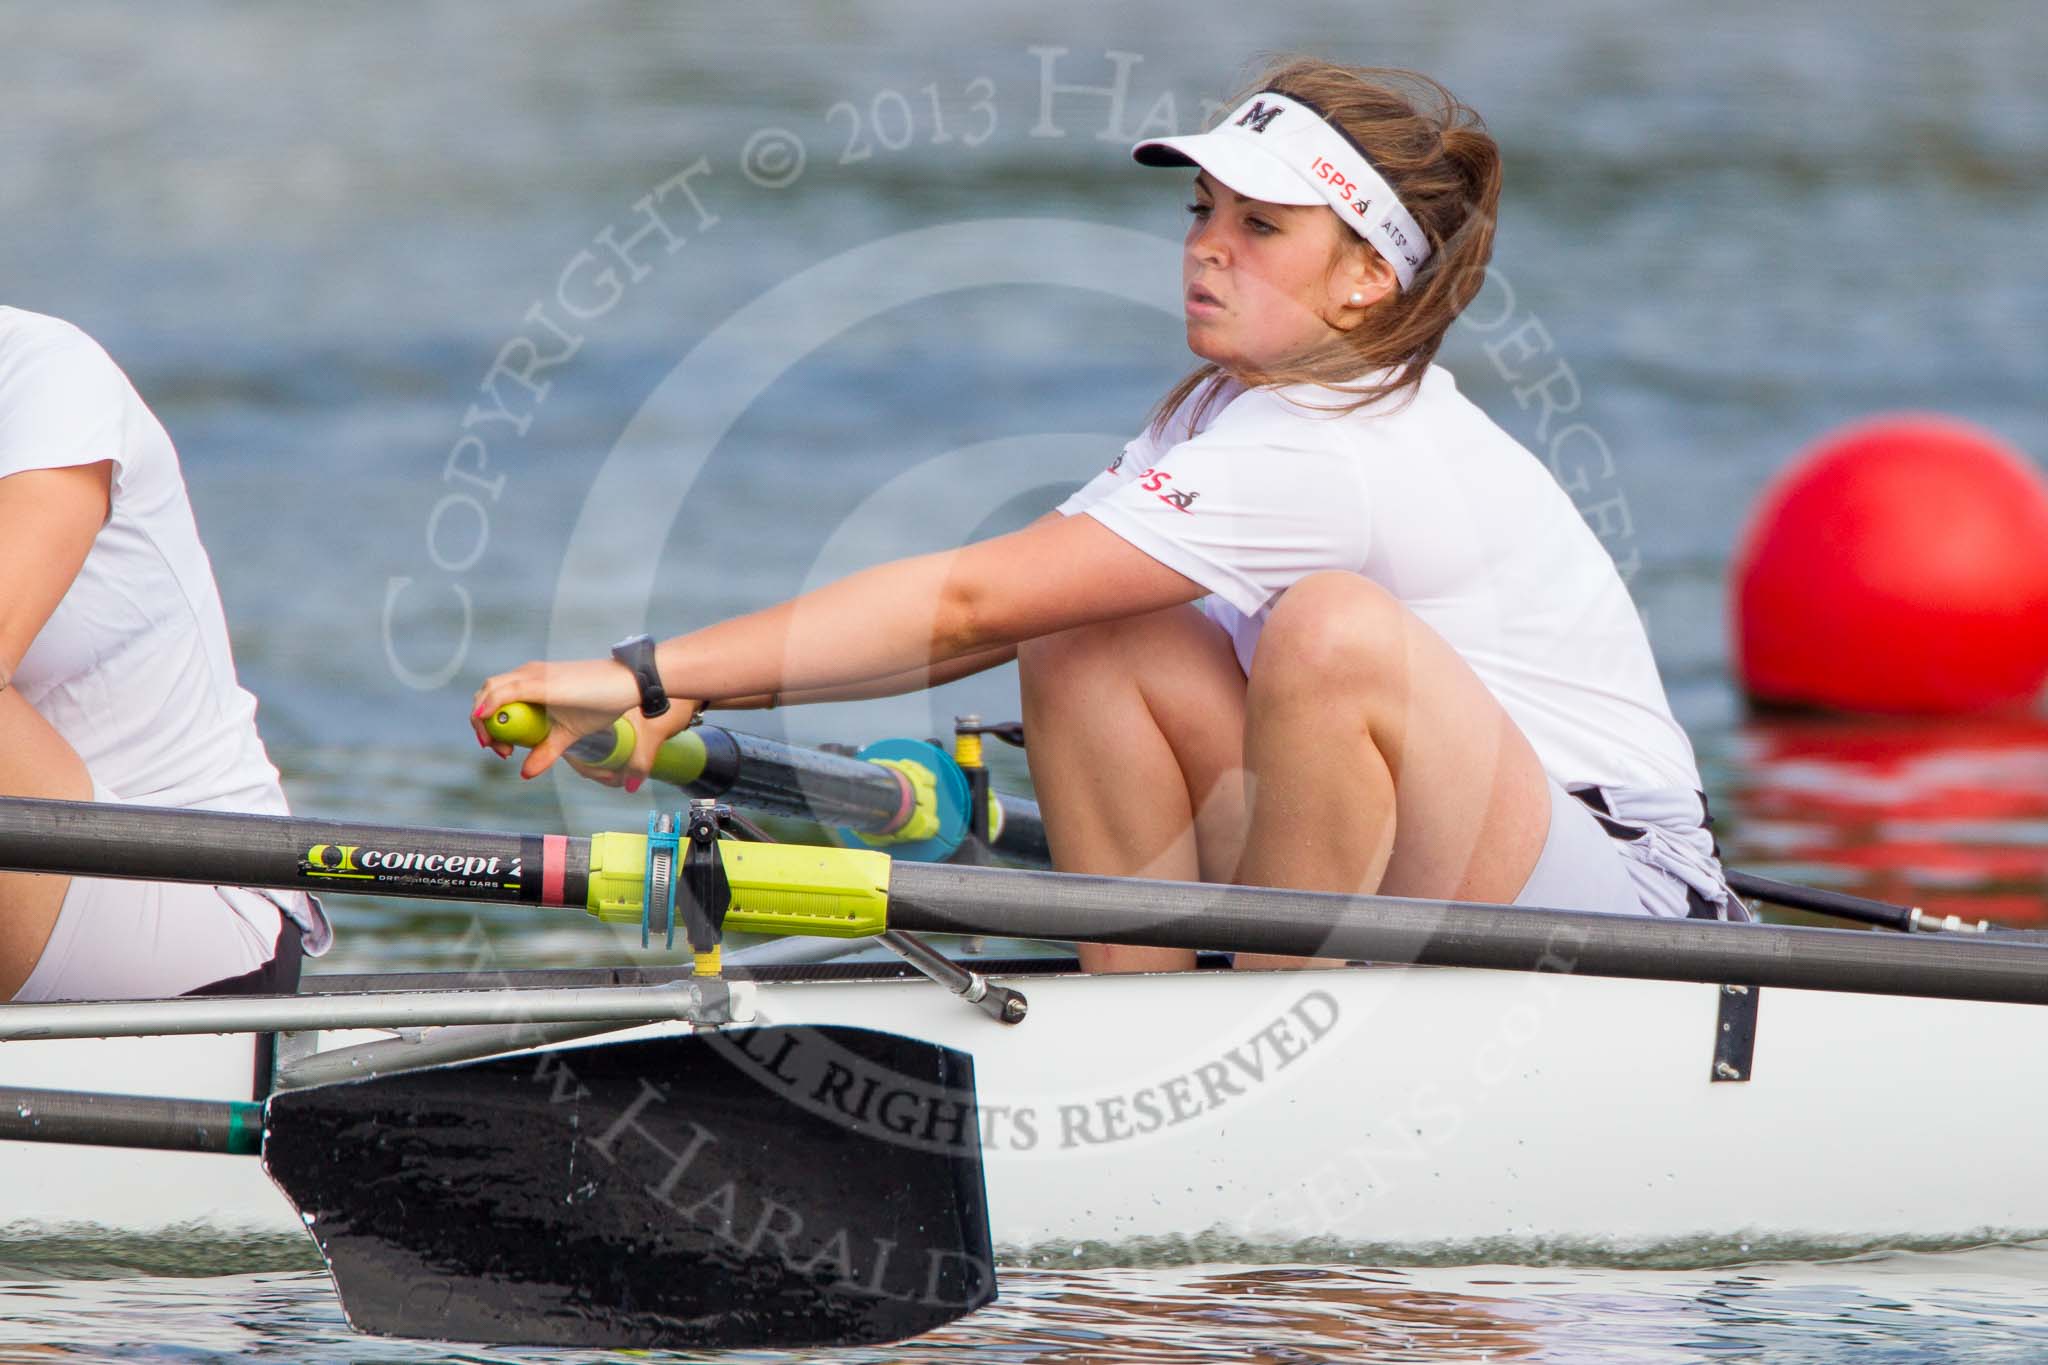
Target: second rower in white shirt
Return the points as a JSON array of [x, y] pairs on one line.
[[1322, 625]]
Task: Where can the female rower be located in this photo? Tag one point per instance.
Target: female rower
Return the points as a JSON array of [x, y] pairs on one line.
[[116, 684], [1322, 625]]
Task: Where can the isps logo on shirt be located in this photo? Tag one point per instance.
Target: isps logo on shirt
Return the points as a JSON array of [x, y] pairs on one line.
[[1180, 499], [1154, 480]]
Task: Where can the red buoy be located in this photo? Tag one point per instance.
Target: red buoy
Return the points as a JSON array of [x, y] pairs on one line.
[[1900, 565]]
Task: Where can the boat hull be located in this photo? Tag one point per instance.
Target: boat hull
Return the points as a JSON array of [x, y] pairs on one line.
[[1407, 1115]]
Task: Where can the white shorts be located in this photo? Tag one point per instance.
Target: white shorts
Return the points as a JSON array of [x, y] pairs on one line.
[[1583, 867], [136, 940]]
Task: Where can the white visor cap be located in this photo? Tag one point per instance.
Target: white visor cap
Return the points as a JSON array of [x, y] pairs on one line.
[[1276, 148]]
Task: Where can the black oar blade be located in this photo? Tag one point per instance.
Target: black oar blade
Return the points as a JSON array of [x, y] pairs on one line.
[[771, 1187]]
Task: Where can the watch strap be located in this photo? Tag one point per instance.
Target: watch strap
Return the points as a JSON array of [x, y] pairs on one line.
[[636, 652]]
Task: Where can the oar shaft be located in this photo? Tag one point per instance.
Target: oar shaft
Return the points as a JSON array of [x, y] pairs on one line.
[[777, 888], [142, 843], [782, 779], [232, 1127], [839, 892], [1840, 905], [940, 898]]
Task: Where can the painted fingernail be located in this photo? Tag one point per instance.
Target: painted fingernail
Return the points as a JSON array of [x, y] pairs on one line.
[[633, 785]]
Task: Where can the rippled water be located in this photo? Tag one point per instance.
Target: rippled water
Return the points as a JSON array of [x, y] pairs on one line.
[[307, 232], [1979, 1305]]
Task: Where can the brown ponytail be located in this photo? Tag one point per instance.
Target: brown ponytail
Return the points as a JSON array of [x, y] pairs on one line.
[[1439, 158]]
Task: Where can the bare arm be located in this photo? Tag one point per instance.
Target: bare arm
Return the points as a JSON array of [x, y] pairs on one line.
[[895, 685], [913, 613], [48, 518], [881, 623]]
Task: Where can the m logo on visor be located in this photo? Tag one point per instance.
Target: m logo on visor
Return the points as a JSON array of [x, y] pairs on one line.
[[1258, 116]]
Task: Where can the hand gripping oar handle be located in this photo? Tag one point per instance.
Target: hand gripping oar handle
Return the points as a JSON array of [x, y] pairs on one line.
[[905, 792], [706, 760]]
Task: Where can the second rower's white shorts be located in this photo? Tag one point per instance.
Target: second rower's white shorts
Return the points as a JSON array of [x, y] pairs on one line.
[[137, 940], [1583, 867]]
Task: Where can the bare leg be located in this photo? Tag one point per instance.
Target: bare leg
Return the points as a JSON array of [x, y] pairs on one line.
[[34, 761], [1383, 763], [1137, 752]]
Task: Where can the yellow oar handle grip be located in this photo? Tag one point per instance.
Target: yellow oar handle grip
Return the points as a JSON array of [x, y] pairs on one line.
[[679, 760], [518, 723]]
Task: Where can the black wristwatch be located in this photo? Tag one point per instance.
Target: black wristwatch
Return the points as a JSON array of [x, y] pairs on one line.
[[636, 652]]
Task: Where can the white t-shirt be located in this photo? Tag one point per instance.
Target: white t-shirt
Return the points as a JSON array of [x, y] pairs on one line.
[[133, 667], [1435, 503]]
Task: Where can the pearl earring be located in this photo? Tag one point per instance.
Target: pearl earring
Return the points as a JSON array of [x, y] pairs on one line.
[[1357, 299]]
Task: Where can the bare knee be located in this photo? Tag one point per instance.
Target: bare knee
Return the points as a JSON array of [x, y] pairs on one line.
[[1331, 633], [1079, 647], [1056, 666], [1115, 647]]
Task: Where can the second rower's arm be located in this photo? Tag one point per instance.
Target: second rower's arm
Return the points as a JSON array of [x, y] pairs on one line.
[[894, 685], [901, 618], [48, 520]]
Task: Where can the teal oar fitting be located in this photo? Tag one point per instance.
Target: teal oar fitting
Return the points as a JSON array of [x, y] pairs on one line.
[[941, 802]]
